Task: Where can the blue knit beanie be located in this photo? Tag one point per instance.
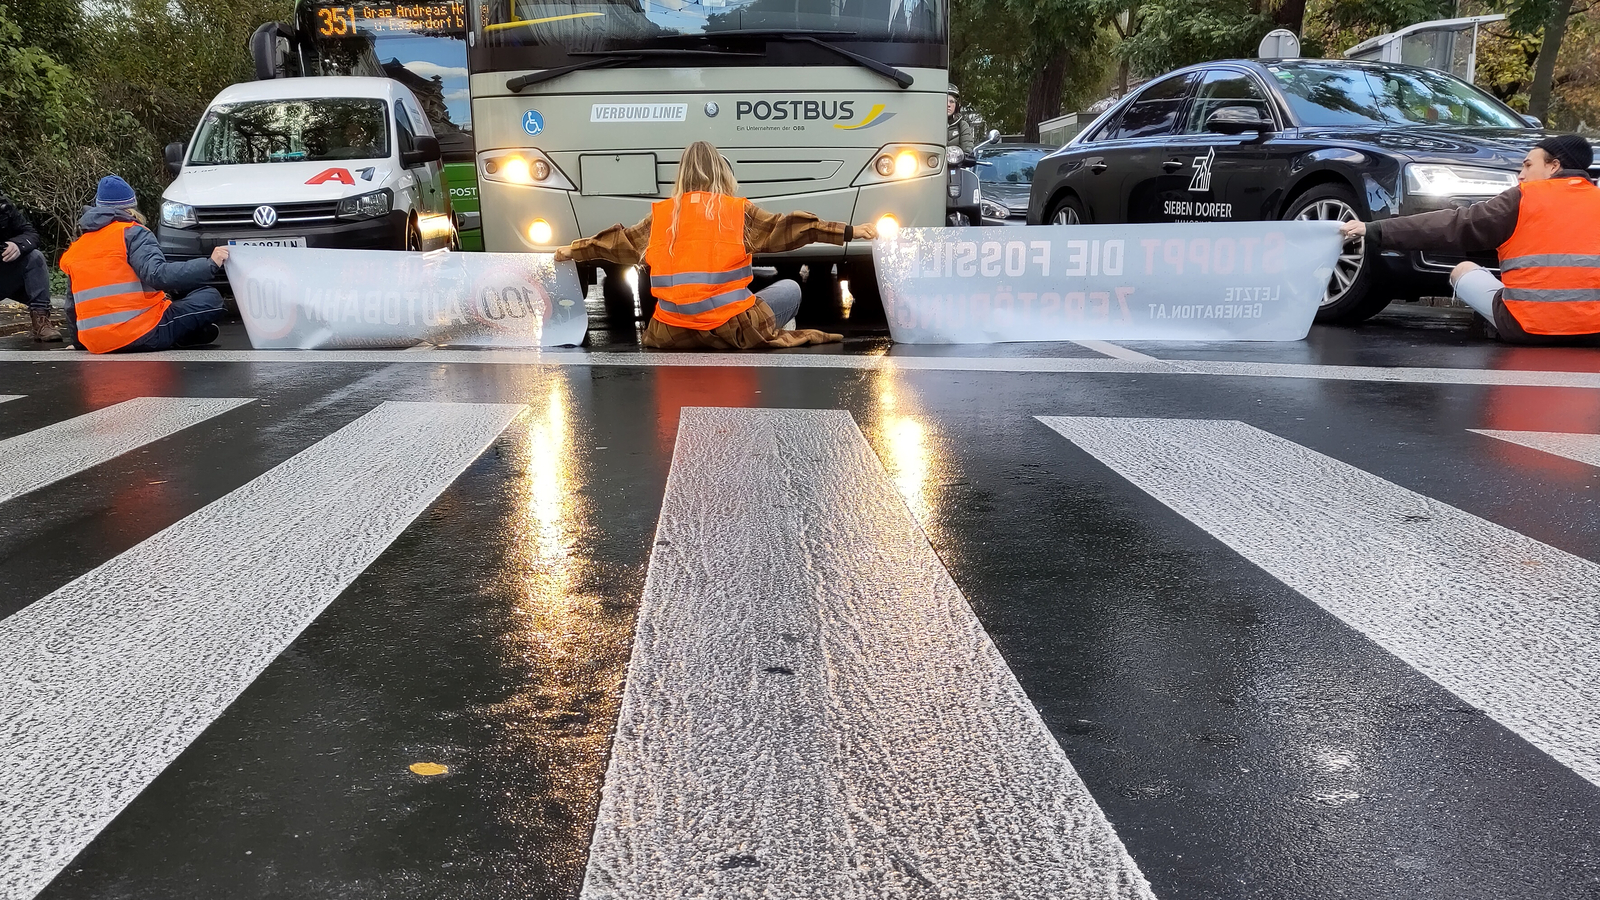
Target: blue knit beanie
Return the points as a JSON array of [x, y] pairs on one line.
[[114, 192]]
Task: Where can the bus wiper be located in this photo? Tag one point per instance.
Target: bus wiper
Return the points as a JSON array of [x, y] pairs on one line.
[[516, 84], [816, 37], [607, 58]]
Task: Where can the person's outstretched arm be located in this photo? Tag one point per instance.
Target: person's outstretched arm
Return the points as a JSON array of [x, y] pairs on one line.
[[766, 232], [623, 246], [1479, 227]]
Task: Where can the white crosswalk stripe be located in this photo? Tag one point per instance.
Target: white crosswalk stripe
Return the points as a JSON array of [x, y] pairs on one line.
[[47, 455], [7, 397], [1505, 622], [107, 680], [813, 711], [1584, 448]]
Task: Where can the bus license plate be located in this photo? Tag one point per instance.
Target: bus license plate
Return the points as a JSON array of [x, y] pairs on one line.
[[269, 242]]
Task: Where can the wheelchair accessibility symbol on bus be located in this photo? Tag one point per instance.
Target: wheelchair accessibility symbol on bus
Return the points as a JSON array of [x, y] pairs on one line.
[[532, 122]]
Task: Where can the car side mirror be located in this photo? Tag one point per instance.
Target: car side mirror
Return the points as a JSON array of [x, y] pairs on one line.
[[174, 157], [1533, 121], [427, 151], [1238, 120]]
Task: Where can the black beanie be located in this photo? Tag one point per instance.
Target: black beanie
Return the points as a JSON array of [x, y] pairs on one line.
[[1571, 150]]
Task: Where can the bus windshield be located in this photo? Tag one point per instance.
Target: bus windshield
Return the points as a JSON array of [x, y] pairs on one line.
[[586, 25], [271, 131], [384, 39]]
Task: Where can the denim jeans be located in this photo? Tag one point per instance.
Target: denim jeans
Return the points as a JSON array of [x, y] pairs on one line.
[[182, 323], [26, 280]]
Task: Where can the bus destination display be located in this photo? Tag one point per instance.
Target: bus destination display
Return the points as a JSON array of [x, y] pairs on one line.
[[390, 17]]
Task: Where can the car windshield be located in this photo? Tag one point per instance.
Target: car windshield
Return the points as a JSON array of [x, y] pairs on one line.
[[1354, 95], [587, 25], [1008, 166], [270, 131]]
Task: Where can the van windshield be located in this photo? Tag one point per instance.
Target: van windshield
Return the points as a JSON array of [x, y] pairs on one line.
[[269, 131]]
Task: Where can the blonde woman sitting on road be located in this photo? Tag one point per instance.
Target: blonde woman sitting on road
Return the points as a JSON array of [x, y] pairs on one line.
[[698, 245]]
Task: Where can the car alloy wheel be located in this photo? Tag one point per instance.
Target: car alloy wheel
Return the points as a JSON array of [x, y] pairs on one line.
[[1348, 268], [1066, 215]]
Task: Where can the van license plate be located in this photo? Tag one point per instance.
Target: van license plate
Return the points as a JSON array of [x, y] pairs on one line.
[[269, 242]]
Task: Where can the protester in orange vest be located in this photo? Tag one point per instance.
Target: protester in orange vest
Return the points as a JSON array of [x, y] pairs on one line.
[[1547, 232], [120, 282], [699, 245]]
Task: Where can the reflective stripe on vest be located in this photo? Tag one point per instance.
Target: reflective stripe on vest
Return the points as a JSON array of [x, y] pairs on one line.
[[706, 305], [1551, 262], [112, 306], [700, 269]]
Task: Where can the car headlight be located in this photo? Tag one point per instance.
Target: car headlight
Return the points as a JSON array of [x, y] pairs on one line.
[[527, 167], [993, 210], [366, 206], [1457, 181], [177, 215]]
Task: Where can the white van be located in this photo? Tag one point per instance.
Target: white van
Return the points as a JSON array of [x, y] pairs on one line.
[[308, 162]]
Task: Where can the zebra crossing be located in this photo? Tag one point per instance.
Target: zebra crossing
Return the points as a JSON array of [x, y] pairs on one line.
[[812, 707]]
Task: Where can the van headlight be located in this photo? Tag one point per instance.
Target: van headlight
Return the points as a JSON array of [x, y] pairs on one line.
[[1457, 181], [177, 215], [366, 206]]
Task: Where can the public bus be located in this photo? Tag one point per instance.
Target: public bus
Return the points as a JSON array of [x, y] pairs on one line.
[[575, 111], [581, 109], [420, 45]]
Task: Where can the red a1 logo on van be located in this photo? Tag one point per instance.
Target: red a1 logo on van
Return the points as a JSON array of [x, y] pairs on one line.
[[340, 175]]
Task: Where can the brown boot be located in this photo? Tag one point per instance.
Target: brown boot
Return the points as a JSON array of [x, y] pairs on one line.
[[39, 325]]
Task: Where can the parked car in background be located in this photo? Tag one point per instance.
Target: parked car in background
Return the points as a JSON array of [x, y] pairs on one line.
[[1241, 140], [1005, 175]]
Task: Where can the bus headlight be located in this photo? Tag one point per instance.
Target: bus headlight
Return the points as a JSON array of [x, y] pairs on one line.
[[525, 167], [540, 232], [887, 226], [177, 215], [899, 162]]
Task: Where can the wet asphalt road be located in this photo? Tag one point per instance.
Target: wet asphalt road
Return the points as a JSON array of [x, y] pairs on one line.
[[1241, 740]]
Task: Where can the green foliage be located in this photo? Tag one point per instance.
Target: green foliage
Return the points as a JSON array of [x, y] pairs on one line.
[[1167, 34], [86, 95], [1001, 49]]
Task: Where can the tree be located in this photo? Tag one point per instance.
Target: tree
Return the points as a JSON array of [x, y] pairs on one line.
[[1038, 52], [1529, 17]]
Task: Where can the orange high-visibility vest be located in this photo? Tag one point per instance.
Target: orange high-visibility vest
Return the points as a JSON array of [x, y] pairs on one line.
[[1551, 264], [113, 306], [700, 273]]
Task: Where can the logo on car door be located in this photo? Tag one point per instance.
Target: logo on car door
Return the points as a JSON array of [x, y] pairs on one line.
[[1202, 171]]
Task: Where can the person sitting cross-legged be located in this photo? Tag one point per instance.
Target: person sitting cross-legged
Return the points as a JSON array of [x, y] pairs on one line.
[[699, 245]]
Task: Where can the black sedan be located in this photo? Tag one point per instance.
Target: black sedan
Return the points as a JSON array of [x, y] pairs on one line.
[[1005, 176], [1294, 139]]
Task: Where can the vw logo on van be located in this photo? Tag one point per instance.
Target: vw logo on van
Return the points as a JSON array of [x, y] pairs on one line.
[[265, 216]]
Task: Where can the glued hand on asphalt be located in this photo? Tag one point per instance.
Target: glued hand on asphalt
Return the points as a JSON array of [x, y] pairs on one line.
[[1353, 229], [219, 255]]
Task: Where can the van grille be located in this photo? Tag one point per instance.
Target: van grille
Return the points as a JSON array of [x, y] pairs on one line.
[[288, 213]]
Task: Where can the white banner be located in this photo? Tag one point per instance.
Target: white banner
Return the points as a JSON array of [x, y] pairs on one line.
[[1229, 281], [313, 299]]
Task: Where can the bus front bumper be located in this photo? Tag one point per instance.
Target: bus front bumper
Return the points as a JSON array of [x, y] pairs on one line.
[[509, 211]]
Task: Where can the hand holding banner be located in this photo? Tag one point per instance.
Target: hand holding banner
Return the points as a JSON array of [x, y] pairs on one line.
[[1230, 281], [317, 299]]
